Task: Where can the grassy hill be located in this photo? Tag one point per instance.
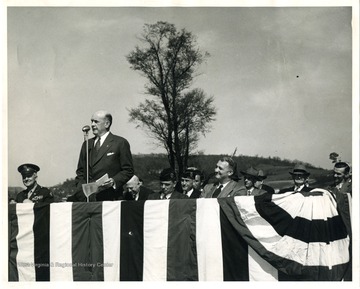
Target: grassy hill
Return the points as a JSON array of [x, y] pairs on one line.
[[148, 168]]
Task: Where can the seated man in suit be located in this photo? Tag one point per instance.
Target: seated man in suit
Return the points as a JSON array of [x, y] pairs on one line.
[[187, 184], [260, 183], [225, 186], [168, 184], [134, 190], [300, 176], [343, 186], [198, 183], [251, 176]]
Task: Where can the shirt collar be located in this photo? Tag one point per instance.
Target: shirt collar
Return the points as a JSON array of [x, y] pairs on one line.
[[224, 185], [296, 188], [189, 192], [31, 191], [103, 137], [165, 197], [136, 196]]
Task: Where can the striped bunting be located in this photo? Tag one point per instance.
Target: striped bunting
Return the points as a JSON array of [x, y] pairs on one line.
[[262, 238]]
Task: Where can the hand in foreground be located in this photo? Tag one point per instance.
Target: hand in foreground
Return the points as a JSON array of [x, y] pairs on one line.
[[108, 184]]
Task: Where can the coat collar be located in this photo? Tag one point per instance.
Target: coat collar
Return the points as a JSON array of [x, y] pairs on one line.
[[104, 147]]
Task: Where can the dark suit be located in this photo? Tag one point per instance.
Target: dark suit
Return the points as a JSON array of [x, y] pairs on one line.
[[292, 189], [174, 195], [267, 188], [344, 206], [195, 194], [230, 190], [40, 195], [255, 192], [143, 194], [114, 158]]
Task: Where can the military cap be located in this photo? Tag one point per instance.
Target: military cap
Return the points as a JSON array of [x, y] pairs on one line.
[[300, 169], [167, 175], [28, 169]]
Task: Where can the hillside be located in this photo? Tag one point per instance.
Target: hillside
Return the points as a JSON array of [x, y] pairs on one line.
[[148, 168]]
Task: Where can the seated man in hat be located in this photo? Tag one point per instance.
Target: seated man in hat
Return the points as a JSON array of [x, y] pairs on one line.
[[260, 183], [134, 190], [34, 193], [300, 176], [251, 176], [187, 184], [168, 184], [225, 185]]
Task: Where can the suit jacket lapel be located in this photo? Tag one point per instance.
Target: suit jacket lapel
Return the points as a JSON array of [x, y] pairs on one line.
[[227, 190], [91, 151], [213, 189], [104, 148]]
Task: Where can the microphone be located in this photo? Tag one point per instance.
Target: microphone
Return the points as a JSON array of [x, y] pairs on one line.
[[85, 129]]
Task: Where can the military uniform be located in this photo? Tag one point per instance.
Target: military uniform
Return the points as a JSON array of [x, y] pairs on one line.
[[39, 195], [34, 192]]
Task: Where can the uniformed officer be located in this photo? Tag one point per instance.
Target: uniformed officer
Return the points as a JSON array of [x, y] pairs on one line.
[[34, 192]]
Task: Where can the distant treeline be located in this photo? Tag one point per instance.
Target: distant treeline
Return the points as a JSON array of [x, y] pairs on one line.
[[149, 166]]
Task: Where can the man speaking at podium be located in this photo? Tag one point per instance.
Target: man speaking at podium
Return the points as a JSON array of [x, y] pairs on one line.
[[107, 154]]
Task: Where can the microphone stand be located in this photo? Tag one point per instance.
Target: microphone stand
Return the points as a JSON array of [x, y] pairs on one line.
[[87, 156], [86, 139]]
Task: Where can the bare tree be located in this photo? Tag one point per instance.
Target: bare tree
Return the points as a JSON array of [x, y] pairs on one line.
[[176, 116]]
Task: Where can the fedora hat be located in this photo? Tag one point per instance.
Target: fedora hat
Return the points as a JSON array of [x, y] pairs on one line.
[[299, 169], [262, 175], [251, 172]]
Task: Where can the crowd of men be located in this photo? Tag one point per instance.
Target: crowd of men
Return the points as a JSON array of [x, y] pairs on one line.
[[192, 184], [110, 155]]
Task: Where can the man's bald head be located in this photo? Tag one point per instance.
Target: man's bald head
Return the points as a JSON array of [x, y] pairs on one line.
[[133, 185], [134, 180], [101, 122]]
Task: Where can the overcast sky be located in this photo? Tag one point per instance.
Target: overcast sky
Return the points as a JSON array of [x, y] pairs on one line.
[[281, 79]]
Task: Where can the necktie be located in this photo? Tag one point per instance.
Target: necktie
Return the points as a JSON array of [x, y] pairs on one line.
[[30, 193], [217, 191], [248, 192], [97, 145]]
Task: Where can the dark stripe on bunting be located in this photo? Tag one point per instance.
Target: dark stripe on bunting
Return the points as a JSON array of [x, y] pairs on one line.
[[131, 241], [41, 229], [234, 250], [87, 242], [13, 230], [315, 273], [181, 252], [299, 228]]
